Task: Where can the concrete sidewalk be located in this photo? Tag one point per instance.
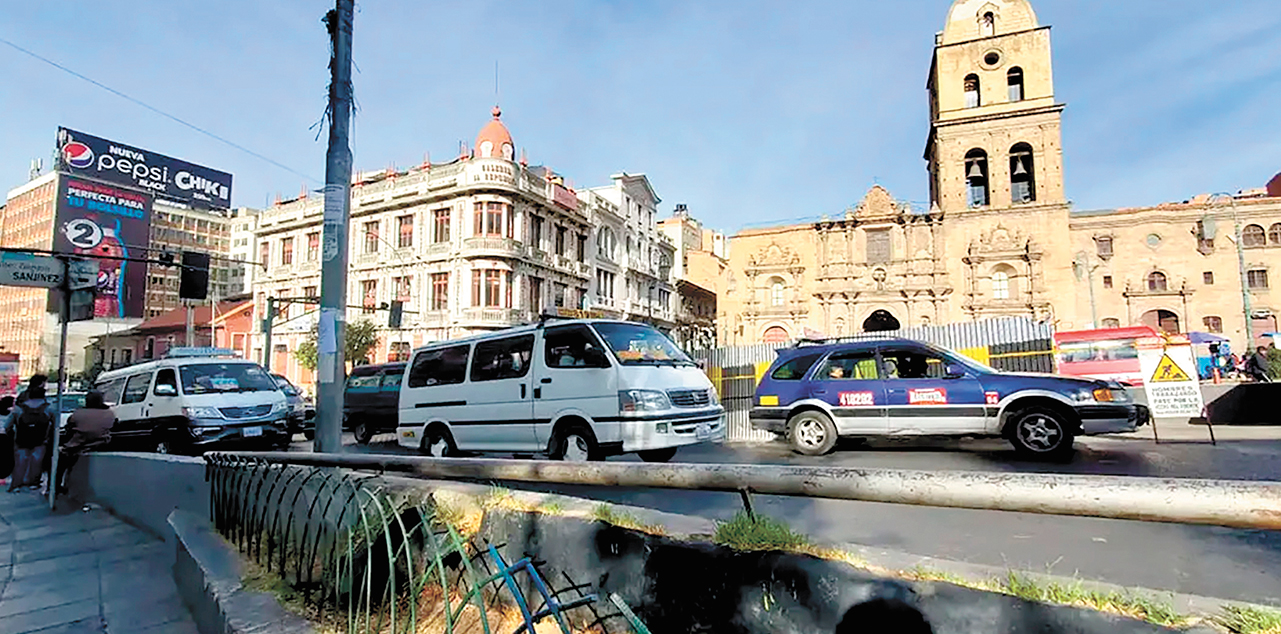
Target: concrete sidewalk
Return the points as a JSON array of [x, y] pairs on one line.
[[77, 571]]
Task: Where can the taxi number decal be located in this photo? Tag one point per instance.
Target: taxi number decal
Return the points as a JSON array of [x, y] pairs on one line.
[[993, 398], [855, 399], [927, 396]]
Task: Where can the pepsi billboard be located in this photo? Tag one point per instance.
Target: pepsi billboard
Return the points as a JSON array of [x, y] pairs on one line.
[[92, 157], [113, 223]]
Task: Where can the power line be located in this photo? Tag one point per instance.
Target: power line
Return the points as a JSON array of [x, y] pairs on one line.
[[157, 110]]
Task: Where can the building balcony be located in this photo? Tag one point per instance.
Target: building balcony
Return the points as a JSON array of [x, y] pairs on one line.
[[494, 317], [501, 247]]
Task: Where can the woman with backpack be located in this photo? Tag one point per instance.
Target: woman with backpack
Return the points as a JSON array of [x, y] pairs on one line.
[[29, 425]]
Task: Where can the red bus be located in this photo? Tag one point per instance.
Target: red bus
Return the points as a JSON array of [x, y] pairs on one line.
[[1107, 353]]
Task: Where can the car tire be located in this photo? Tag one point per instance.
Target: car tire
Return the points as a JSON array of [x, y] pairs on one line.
[[575, 444], [438, 443], [165, 445], [1040, 432], [309, 434], [811, 433], [363, 433], [658, 455]]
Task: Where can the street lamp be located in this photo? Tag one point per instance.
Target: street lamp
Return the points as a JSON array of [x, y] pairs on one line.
[[1246, 302], [1081, 266]]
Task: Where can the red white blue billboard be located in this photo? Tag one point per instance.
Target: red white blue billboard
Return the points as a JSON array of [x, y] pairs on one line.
[[99, 159]]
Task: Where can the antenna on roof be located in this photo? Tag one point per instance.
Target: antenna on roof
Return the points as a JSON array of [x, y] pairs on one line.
[[496, 93]]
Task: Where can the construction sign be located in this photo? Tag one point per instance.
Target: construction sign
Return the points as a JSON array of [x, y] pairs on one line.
[[1170, 377]]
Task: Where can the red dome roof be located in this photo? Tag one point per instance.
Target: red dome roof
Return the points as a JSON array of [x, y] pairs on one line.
[[494, 141]]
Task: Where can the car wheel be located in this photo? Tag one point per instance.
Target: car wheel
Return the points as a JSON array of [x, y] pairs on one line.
[[363, 433], [812, 433], [658, 455], [575, 444], [167, 446], [309, 434], [1041, 432], [438, 444]]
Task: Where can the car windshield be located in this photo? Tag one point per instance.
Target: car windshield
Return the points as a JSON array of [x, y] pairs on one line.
[[638, 344], [206, 378]]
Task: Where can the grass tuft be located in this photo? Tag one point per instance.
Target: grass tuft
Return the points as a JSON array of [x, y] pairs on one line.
[[1129, 603], [1240, 619], [607, 514], [762, 533]]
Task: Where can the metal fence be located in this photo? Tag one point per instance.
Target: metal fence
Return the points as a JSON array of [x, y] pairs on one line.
[[1010, 343]]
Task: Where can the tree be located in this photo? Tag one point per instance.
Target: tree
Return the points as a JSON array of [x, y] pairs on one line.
[[361, 338]]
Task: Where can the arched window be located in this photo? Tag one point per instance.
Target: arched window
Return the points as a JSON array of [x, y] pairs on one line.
[[1022, 174], [1253, 236], [1111, 322], [1213, 323], [972, 91], [1014, 79], [775, 334], [1002, 288], [606, 243], [776, 292], [1274, 233], [1156, 281], [987, 24], [976, 177]]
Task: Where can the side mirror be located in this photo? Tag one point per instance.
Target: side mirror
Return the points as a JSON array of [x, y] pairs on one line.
[[165, 389], [955, 371]]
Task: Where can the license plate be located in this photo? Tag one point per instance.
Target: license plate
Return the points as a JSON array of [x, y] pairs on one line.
[[251, 432], [703, 431]]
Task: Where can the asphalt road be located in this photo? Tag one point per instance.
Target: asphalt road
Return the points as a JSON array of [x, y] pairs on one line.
[[1208, 561]]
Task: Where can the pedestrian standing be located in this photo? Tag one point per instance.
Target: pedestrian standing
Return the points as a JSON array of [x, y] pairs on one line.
[[30, 425], [6, 442], [88, 428], [1257, 365], [37, 380]]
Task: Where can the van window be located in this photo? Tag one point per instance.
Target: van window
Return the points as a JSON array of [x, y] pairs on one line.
[[363, 382], [136, 388], [391, 380], [502, 358], [573, 347], [167, 376], [795, 369], [111, 390], [442, 366]]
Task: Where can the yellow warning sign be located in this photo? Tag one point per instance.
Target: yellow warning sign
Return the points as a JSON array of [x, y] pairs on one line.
[[1167, 371]]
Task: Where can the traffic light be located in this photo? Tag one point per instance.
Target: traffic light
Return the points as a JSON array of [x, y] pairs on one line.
[[194, 280], [395, 313]]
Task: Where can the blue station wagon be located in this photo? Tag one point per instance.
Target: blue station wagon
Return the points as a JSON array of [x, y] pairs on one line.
[[816, 392]]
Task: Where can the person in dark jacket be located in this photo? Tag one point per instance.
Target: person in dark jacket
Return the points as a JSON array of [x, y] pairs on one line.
[[6, 443], [87, 429], [37, 380], [30, 425], [1257, 365]]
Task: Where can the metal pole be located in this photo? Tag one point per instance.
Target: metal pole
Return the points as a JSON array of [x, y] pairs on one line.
[[191, 326], [267, 327], [1232, 503], [64, 309], [1094, 308], [330, 362], [1245, 282]]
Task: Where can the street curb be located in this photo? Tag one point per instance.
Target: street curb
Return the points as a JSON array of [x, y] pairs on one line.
[[208, 573]]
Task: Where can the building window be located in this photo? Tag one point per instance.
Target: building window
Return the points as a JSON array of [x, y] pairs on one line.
[[405, 232], [1156, 281], [1274, 233], [440, 226], [976, 177], [1257, 279], [1022, 182], [878, 246], [776, 292], [369, 295], [604, 284], [1103, 245], [1001, 283], [1107, 281], [286, 251], [399, 352], [606, 243], [581, 248], [371, 237], [558, 294], [1253, 236], [1111, 322], [491, 288], [1014, 79], [264, 253], [1207, 278], [313, 246], [493, 219], [440, 291], [536, 231], [987, 24], [402, 287], [310, 291], [971, 91], [536, 295], [1213, 323]]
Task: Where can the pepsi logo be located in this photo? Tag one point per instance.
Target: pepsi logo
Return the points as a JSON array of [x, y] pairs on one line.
[[77, 155]]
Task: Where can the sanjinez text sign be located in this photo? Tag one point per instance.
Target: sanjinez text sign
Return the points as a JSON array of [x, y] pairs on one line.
[[26, 269], [1170, 377], [95, 158]]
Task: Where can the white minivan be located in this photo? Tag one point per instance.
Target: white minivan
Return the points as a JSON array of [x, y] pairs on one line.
[[196, 399], [574, 389]]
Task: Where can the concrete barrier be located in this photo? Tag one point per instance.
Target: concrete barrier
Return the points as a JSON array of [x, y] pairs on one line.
[[142, 489], [1244, 404]]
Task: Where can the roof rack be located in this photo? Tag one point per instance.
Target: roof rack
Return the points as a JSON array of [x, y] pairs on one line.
[[192, 352], [827, 341]]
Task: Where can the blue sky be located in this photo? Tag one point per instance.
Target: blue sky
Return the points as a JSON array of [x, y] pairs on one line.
[[750, 112]]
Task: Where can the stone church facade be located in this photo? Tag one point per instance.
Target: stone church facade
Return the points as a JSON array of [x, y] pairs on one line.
[[999, 237]]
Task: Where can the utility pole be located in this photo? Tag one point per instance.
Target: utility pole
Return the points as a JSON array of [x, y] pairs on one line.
[[267, 324], [330, 364], [191, 326], [1247, 307]]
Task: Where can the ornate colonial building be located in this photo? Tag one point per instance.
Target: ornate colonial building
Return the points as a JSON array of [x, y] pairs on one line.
[[999, 237]]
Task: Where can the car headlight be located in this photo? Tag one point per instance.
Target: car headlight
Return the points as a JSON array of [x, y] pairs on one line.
[[642, 401], [280, 407], [201, 412], [713, 397]]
